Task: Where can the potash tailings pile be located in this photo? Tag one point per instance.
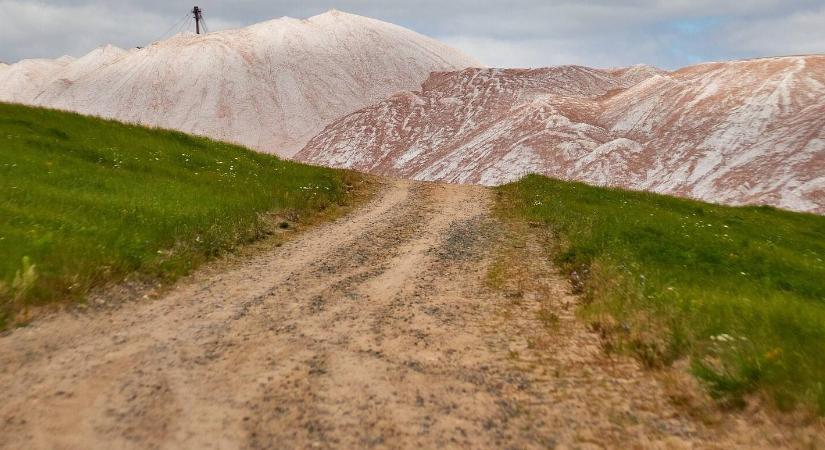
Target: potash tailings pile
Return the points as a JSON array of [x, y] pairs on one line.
[[743, 132], [269, 86], [348, 91]]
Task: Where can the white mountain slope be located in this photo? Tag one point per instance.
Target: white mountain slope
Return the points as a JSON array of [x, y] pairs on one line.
[[270, 86], [22, 81]]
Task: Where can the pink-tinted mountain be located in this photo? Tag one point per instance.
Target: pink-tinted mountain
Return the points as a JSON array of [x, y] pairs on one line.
[[742, 132]]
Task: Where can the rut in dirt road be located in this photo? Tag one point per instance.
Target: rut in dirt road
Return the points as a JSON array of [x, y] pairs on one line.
[[377, 330]]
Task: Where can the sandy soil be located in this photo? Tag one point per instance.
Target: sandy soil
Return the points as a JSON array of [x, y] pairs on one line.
[[381, 329]]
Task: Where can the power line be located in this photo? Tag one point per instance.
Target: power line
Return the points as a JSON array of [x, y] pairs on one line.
[[185, 22], [176, 26], [185, 26]]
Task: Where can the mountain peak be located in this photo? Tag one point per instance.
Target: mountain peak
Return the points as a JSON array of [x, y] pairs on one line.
[[270, 86], [741, 132]]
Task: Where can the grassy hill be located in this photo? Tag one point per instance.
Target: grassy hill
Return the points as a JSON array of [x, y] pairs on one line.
[[740, 292], [85, 202]]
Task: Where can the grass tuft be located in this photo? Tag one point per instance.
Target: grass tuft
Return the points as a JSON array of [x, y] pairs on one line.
[[738, 291], [85, 202]]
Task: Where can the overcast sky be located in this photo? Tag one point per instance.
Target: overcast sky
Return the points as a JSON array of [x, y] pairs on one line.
[[514, 33]]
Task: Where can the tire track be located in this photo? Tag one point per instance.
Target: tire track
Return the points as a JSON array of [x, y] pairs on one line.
[[379, 330]]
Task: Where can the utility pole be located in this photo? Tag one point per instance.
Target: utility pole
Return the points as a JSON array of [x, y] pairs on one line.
[[196, 12]]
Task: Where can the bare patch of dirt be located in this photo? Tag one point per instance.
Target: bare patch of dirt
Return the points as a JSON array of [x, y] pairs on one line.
[[382, 329], [601, 399]]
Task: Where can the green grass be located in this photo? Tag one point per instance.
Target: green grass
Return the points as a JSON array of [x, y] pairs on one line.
[[85, 202], [738, 291]]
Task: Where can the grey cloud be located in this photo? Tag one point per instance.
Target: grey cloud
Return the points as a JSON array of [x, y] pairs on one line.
[[801, 32], [667, 33]]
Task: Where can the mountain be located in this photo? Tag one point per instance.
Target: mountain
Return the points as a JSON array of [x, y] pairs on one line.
[[269, 86], [22, 81], [742, 132]]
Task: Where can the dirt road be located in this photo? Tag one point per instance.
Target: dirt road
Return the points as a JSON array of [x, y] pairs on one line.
[[381, 329]]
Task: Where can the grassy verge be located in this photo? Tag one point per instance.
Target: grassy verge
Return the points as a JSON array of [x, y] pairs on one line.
[[738, 291], [85, 202]]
